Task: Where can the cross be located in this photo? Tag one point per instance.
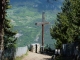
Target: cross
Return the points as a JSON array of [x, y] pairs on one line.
[[42, 23]]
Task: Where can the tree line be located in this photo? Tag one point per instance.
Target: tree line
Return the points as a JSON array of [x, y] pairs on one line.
[[67, 26]]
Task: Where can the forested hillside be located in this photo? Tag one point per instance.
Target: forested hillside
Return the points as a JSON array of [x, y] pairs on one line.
[[25, 13]]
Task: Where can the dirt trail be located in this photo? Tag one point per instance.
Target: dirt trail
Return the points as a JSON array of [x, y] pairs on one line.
[[35, 56]]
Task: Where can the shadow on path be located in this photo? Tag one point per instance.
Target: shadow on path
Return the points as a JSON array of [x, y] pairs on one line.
[[46, 58]]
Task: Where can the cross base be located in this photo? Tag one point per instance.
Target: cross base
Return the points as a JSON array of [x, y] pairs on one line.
[[42, 49]]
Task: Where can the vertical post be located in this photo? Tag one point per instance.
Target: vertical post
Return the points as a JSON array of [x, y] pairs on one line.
[[2, 18], [42, 23], [43, 18], [36, 48]]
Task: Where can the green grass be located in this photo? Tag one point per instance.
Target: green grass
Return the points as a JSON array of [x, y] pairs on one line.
[[19, 58]]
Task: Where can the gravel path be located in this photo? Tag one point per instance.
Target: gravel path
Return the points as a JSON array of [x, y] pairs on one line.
[[35, 56]]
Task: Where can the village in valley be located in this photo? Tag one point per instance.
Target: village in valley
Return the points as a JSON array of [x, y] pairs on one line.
[[39, 29]]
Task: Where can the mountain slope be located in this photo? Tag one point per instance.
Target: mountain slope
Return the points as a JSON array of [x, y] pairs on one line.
[[25, 13]]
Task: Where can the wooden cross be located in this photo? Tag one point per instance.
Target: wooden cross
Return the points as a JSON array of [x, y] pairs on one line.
[[42, 23]]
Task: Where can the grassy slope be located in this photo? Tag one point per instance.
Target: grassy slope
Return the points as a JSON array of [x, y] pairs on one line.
[[24, 18]]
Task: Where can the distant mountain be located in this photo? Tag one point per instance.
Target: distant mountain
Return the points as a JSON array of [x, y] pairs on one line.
[[25, 13], [39, 4]]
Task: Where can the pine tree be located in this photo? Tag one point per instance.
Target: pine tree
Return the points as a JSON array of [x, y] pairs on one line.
[[9, 37], [66, 29]]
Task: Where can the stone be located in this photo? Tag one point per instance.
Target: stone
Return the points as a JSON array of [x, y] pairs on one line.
[[35, 47]]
